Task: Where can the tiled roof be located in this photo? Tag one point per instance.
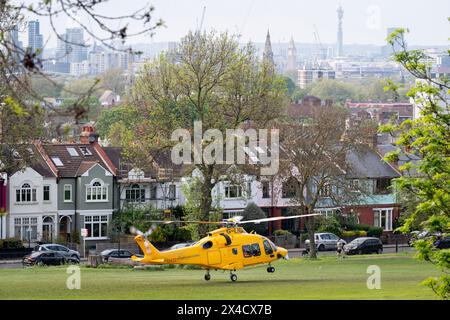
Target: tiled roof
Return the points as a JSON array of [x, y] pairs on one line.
[[74, 165], [368, 163]]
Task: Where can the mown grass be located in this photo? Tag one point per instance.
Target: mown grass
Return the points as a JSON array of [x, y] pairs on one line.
[[325, 278]]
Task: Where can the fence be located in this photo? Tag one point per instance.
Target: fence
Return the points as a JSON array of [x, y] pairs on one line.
[[14, 253]]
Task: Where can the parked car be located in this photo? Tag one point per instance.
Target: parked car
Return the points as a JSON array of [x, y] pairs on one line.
[[418, 235], [364, 245], [325, 241], [443, 243], [58, 248], [115, 253], [47, 257]]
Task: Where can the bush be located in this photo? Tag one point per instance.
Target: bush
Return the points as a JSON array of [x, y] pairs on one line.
[[375, 232], [253, 212], [331, 225], [281, 232], [348, 234], [11, 243]]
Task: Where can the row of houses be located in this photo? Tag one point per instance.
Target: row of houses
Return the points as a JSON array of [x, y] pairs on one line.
[[81, 185]]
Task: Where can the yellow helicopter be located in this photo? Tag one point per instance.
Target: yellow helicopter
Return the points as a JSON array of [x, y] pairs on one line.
[[228, 248]]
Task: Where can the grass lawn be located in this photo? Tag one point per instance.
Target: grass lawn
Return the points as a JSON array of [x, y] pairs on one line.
[[326, 278]]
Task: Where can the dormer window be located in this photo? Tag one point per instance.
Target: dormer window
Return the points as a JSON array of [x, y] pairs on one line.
[[97, 191], [85, 151]]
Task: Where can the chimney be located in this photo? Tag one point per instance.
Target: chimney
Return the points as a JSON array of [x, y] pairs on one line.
[[88, 135]]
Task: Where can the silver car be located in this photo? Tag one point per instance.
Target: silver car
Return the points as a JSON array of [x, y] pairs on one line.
[[59, 248], [325, 241]]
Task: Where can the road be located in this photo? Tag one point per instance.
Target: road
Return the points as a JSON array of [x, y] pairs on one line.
[[296, 253]]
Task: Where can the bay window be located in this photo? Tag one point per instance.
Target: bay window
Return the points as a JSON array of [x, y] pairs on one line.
[[97, 226], [383, 218]]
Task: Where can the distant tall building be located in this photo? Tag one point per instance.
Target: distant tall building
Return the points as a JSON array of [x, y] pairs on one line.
[[17, 46], [35, 39], [291, 57], [340, 33], [268, 53], [71, 46], [307, 76], [388, 49]]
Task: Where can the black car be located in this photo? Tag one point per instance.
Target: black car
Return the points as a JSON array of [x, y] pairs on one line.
[[115, 253], [443, 243], [364, 245], [47, 258]]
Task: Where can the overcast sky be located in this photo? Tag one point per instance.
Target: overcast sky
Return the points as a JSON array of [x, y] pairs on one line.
[[365, 21]]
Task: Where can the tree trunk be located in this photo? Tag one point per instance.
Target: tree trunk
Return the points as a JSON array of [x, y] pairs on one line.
[[310, 224], [205, 201]]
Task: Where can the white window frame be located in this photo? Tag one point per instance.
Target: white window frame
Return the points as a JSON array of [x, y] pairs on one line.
[[96, 219], [23, 223], [49, 193], [238, 191], [137, 192], [378, 217], [64, 193], [23, 192], [101, 190]]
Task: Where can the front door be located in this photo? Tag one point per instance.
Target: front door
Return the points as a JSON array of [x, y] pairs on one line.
[[64, 228]]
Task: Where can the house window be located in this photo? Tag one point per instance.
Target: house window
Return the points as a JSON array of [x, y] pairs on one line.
[[57, 161], [290, 188], [46, 193], [97, 226], [329, 212], [26, 193], [67, 193], [172, 192], [325, 191], [25, 228], [72, 151], [233, 191], [135, 194], [153, 192], [353, 184], [265, 189], [383, 218], [85, 151], [96, 191], [382, 185]]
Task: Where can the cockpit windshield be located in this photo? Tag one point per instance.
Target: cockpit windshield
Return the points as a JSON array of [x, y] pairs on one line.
[[274, 247]]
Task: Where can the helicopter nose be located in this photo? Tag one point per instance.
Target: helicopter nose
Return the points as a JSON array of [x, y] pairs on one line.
[[283, 253]]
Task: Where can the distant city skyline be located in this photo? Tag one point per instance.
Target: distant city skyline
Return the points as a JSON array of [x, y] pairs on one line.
[[364, 22]]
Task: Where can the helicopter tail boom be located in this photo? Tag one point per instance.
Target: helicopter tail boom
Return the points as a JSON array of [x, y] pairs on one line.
[[149, 250]]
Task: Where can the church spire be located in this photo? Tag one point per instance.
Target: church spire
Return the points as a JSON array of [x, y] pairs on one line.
[[268, 53]]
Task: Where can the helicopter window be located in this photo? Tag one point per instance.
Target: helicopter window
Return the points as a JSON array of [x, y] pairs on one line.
[[275, 248], [234, 250], [207, 245], [247, 251], [227, 238], [256, 251], [267, 248]]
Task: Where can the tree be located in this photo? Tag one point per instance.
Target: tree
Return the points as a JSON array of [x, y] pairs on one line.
[[313, 164], [253, 212], [114, 80], [125, 114], [208, 79], [427, 180], [337, 91], [18, 64]]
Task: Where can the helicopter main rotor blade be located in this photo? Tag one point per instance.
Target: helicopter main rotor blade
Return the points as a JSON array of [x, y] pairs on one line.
[[278, 218], [183, 221]]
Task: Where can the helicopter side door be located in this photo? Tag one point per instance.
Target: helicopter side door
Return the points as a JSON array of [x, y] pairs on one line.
[[252, 253]]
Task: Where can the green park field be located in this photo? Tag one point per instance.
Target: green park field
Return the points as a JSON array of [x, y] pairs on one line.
[[325, 278]]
